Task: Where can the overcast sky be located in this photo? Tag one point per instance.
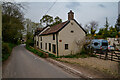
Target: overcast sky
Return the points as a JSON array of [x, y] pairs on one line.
[[84, 12]]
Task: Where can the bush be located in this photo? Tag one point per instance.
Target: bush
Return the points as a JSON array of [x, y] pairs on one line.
[[6, 50], [43, 55], [51, 55], [82, 54], [30, 42]]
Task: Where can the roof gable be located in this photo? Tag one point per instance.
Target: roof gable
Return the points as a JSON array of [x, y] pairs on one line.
[[80, 26]]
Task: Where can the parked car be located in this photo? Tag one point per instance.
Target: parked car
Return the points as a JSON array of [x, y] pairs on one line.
[[99, 45], [110, 48]]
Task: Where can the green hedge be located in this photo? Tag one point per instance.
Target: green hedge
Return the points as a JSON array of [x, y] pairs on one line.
[[6, 50], [40, 53]]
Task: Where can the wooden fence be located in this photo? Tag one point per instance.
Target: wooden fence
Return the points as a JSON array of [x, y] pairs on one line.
[[111, 55]]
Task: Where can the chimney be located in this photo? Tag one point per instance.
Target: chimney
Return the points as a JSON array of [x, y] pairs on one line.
[[70, 15]]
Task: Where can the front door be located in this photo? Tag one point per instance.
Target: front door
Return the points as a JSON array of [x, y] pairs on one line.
[[54, 48]]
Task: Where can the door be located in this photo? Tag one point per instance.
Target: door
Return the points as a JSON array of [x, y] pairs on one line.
[[54, 48]]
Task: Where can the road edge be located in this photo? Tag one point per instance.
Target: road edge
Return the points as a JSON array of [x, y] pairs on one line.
[[68, 69]]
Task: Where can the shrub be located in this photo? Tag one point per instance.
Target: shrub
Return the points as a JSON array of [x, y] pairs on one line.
[[51, 55], [82, 54], [5, 51], [41, 54], [35, 51], [30, 42]]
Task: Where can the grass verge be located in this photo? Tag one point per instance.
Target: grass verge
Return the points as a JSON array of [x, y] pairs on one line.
[[40, 53]]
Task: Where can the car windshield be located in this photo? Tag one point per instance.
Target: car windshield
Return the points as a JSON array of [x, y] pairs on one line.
[[96, 43], [104, 44], [111, 46]]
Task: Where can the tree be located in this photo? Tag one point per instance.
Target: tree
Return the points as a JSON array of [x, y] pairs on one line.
[[87, 29], [47, 20], [106, 25], [112, 32], [117, 25], [93, 27], [57, 20], [12, 20], [107, 31]]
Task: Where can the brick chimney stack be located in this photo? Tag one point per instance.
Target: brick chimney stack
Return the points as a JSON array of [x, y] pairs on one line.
[[70, 15]]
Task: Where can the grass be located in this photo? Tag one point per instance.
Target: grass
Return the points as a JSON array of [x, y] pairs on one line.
[[78, 55], [35, 51]]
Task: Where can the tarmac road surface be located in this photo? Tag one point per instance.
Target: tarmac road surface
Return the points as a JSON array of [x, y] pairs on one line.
[[24, 64]]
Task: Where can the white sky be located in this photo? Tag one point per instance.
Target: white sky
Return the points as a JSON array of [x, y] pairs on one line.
[[84, 11]]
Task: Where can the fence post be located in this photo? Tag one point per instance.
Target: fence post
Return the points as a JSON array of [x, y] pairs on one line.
[[106, 55], [100, 56], [111, 55], [119, 68]]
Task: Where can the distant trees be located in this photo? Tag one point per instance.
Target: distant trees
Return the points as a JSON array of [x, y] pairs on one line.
[[108, 31], [49, 20], [117, 25], [12, 21], [29, 30], [91, 27]]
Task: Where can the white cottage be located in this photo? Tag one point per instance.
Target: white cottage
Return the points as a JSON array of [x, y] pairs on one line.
[[61, 39]]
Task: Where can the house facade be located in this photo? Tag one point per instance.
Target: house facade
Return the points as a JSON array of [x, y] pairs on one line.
[[61, 39]]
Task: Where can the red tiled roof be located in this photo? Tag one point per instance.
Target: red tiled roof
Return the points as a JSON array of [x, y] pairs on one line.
[[54, 28]]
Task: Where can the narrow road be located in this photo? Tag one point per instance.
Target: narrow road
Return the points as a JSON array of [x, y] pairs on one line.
[[24, 64]]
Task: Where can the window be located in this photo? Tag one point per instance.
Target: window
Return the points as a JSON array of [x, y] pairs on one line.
[[41, 45], [54, 48], [96, 44], [66, 46], [104, 44], [53, 36], [46, 46], [49, 46], [41, 38], [37, 43], [72, 31]]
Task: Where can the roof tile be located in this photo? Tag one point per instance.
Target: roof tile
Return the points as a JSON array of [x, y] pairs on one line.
[[54, 28]]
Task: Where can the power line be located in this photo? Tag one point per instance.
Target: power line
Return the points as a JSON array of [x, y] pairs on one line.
[[51, 7]]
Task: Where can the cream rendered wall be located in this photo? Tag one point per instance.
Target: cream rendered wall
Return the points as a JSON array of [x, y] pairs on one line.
[[0, 20], [36, 39], [70, 38], [48, 39]]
